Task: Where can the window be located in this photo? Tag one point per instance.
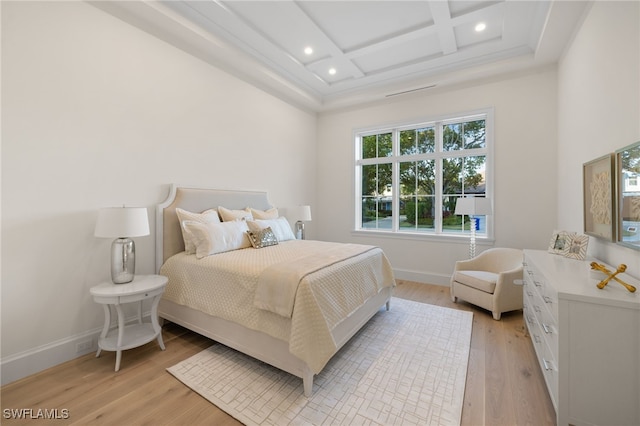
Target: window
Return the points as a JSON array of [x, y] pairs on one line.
[[409, 177]]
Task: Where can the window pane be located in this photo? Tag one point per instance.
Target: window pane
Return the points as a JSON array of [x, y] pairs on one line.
[[474, 134], [452, 137], [417, 213], [417, 182], [376, 146], [467, 135], [417, 177], [369, 146], [452, 222], [385, 145], [376, 196], [452, 176], [474, 175], [417, 141]]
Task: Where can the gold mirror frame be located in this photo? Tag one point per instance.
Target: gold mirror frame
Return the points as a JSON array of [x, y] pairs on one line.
[[628, 187]]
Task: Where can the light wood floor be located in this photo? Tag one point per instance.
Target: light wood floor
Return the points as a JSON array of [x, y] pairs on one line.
[[504, 383]]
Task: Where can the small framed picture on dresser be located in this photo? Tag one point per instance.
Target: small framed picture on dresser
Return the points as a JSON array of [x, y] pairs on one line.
[[577, 247], [560, 241]]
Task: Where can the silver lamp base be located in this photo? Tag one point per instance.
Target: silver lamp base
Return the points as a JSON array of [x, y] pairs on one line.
[[300, 230], [123, 260]]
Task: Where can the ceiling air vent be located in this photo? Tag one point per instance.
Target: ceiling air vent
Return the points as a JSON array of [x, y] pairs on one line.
[[410, 91]]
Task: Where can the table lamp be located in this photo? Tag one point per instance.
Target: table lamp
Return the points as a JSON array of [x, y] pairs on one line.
[[300, 214], [122, 223], [472, 207]]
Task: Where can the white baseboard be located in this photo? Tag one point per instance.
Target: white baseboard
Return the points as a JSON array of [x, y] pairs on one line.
[[422, 277], [23, 364], [33, 361]]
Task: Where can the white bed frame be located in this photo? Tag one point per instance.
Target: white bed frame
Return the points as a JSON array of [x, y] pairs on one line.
[[251, 342]]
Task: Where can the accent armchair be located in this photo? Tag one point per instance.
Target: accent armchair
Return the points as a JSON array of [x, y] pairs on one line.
[[487, 280]]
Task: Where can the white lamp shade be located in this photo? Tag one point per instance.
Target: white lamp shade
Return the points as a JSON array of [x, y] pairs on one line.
[[114, 222], [473, 206], [301, 213]]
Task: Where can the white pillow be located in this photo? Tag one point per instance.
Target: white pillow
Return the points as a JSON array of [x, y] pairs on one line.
[[279, 226], [228, 215], [272, 213], [212, 238], [207, 216]]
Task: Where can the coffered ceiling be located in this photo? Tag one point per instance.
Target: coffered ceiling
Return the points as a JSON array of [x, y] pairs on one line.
[[330, 54]]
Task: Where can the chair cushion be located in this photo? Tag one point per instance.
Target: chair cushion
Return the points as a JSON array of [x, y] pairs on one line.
[[482, 280]]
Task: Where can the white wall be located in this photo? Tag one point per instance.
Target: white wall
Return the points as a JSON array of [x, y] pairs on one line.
[[598, 109], [524, 168], [96, 113]]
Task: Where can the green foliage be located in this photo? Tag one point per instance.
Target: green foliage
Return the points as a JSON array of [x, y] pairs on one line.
[[420, 215]]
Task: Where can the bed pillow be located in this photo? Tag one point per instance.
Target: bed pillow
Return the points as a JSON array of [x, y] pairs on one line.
[[207, 216], [213, 238], [272, 213], [279, 226], [229, 215], [263, 238]]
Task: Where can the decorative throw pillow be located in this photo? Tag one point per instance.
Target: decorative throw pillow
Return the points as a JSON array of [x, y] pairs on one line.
[[207, 216], [272, 213], [213, 238], [279, 226], [263, 238], [229, 215]]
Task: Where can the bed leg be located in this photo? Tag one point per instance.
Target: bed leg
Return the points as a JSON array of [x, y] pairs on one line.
[[388, 304], [307, 382]]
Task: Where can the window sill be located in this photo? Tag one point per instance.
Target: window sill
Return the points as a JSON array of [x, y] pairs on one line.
[[455, 239]]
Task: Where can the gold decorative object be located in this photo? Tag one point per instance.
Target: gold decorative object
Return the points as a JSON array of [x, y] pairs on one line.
[[612, 276]]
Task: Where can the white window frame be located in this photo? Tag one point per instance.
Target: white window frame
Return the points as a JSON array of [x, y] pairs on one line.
[[438, 122]]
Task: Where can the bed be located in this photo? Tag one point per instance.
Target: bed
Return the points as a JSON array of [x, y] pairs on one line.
[[334, 288]]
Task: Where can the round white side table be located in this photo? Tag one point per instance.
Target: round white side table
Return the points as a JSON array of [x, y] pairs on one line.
[[125, 337]]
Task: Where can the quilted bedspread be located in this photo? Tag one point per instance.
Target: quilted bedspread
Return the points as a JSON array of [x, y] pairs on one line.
[[224, 285]]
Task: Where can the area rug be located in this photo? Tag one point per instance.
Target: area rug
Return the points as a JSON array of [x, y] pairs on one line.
[[406, 366]]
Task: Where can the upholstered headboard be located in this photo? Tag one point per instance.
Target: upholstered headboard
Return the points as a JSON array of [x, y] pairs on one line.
[[168, 233]]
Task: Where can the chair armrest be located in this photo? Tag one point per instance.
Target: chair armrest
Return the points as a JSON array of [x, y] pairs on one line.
[[468, 265], [506, 280]]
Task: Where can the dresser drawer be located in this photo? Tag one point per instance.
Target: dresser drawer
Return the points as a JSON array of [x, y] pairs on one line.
[[549, 366], [547, 293]]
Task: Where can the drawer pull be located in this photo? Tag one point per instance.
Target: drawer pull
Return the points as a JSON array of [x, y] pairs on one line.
[[537, 283], [546, 328], [537, 308], [547, 299], [547, 365], [537, 338], [529, 293]]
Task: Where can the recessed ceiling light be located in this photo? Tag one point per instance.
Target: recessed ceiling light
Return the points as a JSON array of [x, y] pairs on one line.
[[332, 71], [308, 50], [481, 26]]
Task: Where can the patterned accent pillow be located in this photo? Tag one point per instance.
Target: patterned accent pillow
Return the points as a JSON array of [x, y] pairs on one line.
[[262, 238]]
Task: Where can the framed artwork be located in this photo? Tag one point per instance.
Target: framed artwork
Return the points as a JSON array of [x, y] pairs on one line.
[[577, 247], [560, 241], [599, 195]]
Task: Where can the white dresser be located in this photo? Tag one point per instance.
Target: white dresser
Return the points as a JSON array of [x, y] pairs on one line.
[[587, 340]]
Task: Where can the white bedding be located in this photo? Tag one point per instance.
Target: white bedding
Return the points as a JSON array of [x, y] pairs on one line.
[[323, 298]]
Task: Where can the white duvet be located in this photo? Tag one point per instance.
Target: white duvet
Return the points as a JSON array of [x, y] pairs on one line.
[[225, 285]]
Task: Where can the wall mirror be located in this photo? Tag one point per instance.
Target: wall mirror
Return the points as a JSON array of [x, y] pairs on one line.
[[628, 166]]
